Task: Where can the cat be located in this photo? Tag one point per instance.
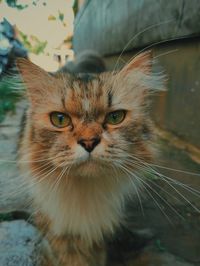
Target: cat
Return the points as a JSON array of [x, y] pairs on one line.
[[82, 133], [87, 61]]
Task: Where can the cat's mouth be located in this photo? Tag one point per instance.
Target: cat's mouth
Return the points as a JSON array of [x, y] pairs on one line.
[[91, 167], [89, 161], [86, 159]]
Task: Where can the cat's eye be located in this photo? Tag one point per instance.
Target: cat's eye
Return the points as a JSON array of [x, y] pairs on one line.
[[115, 117], [60, 120]]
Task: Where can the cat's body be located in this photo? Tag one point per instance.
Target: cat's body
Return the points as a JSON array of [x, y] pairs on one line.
[[81, 134]]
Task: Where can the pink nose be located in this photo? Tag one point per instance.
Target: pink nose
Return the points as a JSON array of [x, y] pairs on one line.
[[89, 144]]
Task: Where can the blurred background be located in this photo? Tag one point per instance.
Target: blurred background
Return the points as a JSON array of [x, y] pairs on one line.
[[51, 34], [43, 28]]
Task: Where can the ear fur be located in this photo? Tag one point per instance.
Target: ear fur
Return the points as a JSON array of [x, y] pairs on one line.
[[29, 71], [36, 79], [139, 78], [143, 62]]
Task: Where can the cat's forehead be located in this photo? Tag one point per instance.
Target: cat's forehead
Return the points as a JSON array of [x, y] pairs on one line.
[[87, 94]]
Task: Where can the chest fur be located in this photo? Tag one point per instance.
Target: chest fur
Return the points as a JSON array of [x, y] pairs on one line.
[[86, 208]]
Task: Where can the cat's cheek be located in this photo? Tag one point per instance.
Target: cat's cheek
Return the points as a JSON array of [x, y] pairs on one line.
[[80, 154], [106, 136], [99, 151]]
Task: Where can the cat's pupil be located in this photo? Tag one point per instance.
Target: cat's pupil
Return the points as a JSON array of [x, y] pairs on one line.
[[60, 118], [115, 116]]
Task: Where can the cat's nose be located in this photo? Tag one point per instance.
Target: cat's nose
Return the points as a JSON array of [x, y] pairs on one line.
[[89, 144]]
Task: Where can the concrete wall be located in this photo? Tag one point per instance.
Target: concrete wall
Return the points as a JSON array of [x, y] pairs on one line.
[[110, 26], [177, 109]]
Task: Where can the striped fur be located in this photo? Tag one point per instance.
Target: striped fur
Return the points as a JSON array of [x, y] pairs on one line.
[[83, 204]]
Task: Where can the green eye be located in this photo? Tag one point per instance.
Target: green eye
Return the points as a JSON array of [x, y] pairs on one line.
[[116, 117], [60, 119]]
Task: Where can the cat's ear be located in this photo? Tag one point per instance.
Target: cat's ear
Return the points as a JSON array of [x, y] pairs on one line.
[[140, 79], [142, 62], [36, 79]]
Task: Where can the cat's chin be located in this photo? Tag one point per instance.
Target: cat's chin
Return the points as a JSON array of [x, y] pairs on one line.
[[90, 166]]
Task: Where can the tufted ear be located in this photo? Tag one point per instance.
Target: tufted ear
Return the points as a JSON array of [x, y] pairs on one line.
[[143, 62], [37, 81], [137, 79]]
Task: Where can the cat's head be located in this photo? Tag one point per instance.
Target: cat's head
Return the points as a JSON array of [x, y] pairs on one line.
[[89, 123]]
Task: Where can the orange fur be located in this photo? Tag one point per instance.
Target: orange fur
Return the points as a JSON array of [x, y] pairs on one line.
[[79, 196]]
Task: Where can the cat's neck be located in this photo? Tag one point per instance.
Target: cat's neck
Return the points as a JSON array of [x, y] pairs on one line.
[[85, 207]]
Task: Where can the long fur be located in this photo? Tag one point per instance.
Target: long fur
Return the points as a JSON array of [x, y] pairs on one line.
[[81, 198]]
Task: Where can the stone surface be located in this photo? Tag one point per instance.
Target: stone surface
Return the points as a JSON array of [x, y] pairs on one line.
[[19, 244], [13, 195], [151, 257]]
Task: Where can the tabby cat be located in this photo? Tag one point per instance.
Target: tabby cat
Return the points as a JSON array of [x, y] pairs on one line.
[[83, 139]]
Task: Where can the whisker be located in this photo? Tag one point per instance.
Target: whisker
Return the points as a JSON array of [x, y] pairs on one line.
[[166, 53], [175, 170], [138, 34], [163, 199], [158, 205], [155, 201], [186, 187], [56, 184], [23, 183], [178, 192], [151, 170], [182, 196], [136, 190], [29, 161]]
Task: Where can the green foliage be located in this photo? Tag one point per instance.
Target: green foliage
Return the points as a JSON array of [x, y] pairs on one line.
[[60, 16], [75, 7], [159, 245], [8, 97], [6, 217], [51, 17], [14, 4], [32, 43]]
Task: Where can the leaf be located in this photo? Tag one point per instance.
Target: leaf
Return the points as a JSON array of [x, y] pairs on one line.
[[159, 245], [51, 17], [6, 217], [61, 16], [9, 96], [75, 7], [32, 43], [13, 4]]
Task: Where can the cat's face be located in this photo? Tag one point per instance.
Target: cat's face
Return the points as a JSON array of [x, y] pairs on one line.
[[88, 123]]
